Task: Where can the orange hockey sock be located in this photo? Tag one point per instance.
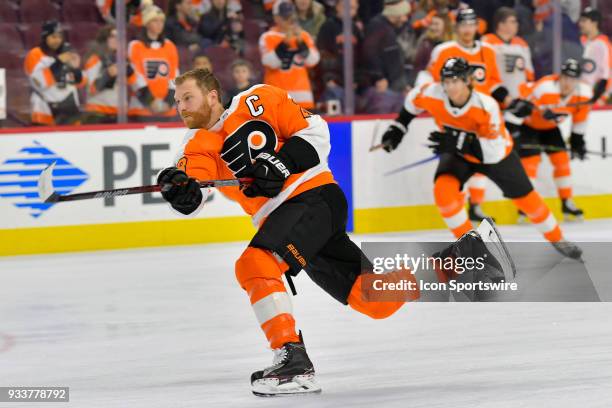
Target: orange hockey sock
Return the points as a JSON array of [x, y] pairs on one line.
[[450, 202], [562, 173], [476, 188], [539, 215]]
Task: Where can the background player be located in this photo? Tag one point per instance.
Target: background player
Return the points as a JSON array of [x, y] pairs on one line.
[[487, 80], [597, 55], [554, 95], [473, 138], [293, 199]]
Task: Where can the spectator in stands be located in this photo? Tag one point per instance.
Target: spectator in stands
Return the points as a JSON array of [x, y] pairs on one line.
[[182, 25], [379, 99], [133, 12], [242, 72], [311, 16], [287, 52], [439, 30], [421, 18], [369, 9], [330, 43], [101, 74], [222, 25], [597, 57], [155, 62], [381, 51], [201, 61], [54, 74], [202, 7]]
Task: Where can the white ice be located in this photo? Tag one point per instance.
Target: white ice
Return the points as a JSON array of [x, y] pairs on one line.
[[169, 327]]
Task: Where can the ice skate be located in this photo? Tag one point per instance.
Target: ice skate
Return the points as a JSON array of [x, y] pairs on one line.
[[291, 373], [568, 249], [476, 214], [570, 211], [522, 218], [496, 250]]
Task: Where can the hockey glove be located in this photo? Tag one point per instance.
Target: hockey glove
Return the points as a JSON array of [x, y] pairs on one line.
[[442, 142], [550, 115], [521, 108], [269, 173], [182, 192], [393, 136], [285, 55], [577, 146]]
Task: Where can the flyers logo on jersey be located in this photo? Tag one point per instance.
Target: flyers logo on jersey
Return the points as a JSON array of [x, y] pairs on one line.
[[182, 164], [514, 62], [479, 72], [241, 147], [155, 67], [588, 65]]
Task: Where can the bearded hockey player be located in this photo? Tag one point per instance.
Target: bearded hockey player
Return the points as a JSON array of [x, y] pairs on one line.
[[297, 206], [472, 138]]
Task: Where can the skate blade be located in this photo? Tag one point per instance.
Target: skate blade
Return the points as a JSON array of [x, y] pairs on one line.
[[496, 245], [573, 218], [299, 385], [522, 220]]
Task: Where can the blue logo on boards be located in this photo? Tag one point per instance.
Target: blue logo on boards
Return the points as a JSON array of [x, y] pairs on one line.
[[19, 177]]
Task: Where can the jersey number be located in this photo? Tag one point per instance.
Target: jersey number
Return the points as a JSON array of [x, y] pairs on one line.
[[241, 147]]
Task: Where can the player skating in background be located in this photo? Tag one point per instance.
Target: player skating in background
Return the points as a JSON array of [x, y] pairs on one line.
[[472, 137], [487, 79], [554, 95], [299, 209]]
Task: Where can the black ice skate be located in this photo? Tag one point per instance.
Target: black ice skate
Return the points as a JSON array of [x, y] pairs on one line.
[[568, 249], [291, 373], [570, 211], [476, 214]]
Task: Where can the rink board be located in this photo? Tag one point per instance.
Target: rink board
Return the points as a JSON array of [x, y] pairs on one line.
[[105, 157]]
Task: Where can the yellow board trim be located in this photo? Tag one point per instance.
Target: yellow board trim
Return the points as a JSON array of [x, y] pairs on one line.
[[26, 241], [427, 217]]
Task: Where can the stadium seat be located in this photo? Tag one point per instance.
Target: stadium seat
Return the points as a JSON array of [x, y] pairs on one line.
[[38, 11], [74, 11], [8, 12], [222, 58], [31, 35], [12, 60], [10, 38], [82, 34], [18, 92]]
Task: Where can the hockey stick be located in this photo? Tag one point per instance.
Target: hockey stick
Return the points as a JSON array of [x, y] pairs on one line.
[[561, 149], [48, 195], [412, 165]]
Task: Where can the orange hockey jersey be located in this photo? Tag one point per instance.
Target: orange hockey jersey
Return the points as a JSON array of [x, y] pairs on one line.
[[482, 56], [546, 94], [156, 66], [480, 117], [258, 119], [295, 79]]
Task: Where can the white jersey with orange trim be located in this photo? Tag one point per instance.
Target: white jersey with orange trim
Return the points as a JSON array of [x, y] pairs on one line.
[[103, 100], [546, 94], [482, 56], [295, 79], [597, 59], [514, 62], [259, 119], [480, 116], [37, 66]]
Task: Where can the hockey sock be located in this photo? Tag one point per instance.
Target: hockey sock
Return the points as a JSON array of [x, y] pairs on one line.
[[477, 188], [562, 173], [540, 215], [259, 273], [530, 164], [450, 202]]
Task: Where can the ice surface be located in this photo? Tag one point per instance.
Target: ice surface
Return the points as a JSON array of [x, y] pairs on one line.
[[169, 327]]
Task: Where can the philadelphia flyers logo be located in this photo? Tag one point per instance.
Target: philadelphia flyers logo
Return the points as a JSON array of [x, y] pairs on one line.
[[241, 147], [182, 164], [155, 67], [588, 65], [479, 73]]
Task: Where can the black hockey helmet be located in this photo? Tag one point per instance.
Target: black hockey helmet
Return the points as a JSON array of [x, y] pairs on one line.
[[466, 15], [456, 67], [571, 68]]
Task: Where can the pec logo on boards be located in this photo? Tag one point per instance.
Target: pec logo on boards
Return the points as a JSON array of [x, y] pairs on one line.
[[19, 177]]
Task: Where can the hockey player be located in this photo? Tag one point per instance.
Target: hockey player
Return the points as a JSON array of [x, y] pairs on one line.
[[482, 58], [554, 96], [472, 138], [597, 56], [294, 201]]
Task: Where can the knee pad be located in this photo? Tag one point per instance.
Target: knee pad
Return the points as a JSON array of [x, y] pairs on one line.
[[447, 195], [530, 164], [561, 163], [258, 263]]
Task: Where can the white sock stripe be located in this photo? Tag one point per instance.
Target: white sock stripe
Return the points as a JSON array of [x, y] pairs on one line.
[[271, 306], [477, 182], [549, 224], [563, 182], [456, 220]]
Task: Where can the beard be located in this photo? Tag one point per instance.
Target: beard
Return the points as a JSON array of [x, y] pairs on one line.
[[197, 119]]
